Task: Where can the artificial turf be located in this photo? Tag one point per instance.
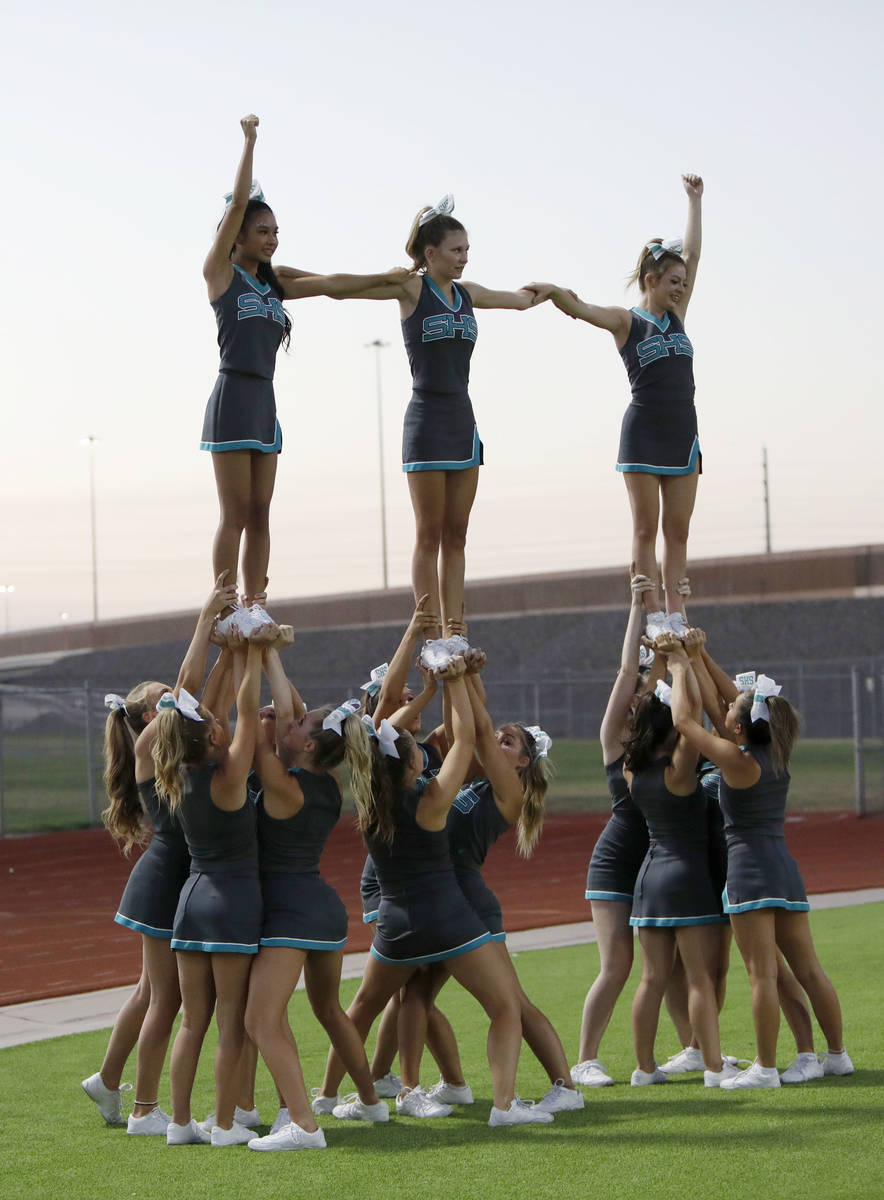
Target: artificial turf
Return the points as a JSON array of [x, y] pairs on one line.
[[818, 1141]]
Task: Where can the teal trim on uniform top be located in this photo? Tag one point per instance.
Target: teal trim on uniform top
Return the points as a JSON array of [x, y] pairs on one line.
[[273, 447], [462, 464], [443, 954], [261, 288], [767, 902], [623, 897], [303, 943], [370, 916], [216, 947], [437, 291], [675, 922], [149, 930], [661, 325], [650, 469]]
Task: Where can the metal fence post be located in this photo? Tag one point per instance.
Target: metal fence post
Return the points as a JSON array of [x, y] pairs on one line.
[[858, 763], [90, 773]]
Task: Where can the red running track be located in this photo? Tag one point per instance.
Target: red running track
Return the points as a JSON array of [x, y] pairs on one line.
[[59, 892]]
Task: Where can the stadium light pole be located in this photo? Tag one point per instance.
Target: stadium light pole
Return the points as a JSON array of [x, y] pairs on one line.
[[767, 544], [377, 345], [91, 442], [6, 588]]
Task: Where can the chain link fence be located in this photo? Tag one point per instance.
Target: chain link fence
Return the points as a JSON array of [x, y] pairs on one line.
[[51, 739]]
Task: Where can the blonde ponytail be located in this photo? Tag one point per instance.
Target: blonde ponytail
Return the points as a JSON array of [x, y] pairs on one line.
[[123, 816], [535, 785], [179, 740]]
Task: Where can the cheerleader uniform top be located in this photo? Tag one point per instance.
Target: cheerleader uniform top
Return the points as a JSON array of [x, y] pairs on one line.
[[474, 824], [294, 844], [251, 323], [217, 839], [439, 339], [761, 808]]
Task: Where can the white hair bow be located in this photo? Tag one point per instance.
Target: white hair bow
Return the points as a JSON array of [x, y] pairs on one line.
[[663, 692], [185, 704], [336, 719], [670, 246], [645, 658], [385, 735], [542, 740], [255, 193], [113, 702], [443, 209], [765, 687], [744, 681], [377, 678]]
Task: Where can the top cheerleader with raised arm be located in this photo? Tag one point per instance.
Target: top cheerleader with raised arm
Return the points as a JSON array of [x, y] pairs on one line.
[[659, 451]]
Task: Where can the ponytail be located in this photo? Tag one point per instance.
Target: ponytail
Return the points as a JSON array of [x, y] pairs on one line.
[[179, 740], [123, 816], [535, 784], [433, 233], [649, 265], [375, 777], [780, 732], [651, 725]]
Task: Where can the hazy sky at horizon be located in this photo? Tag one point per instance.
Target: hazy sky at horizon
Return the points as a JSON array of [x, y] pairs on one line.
[[562, 132]]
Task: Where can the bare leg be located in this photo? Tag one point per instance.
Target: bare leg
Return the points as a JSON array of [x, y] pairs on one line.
[[794, 939], [323, 978], [416, 1001], [616, 946], [537, 1029], [256, 545], [658, 952], [644, 500], [460, 492], [379, 983], [676, 998], [274, 977], [233, 482], [793, 1003], [387, 1043], [427, 489], [442, 1044], [165, 1000], [678, 494], [231, 974], [197, 1002], [248, 1068], [125, 1032], [481, 973], [755, 935], [698, 947]]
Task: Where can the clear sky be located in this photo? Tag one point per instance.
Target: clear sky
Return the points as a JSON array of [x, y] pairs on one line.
[[562, 130]]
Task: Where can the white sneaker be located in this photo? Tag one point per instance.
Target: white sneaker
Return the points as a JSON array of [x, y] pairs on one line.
[[109, 1100], [351, 1108], [641, 1078], [388, 1087], [191, 1134], [677, 624], [289, 1137], [414, 1102], [591, 1073], [656, 624], [560, 1099], [151, 1124], [689, 1059], [241, 1116], [236, 1135], [755, 1076], [438, 652], [449, 1093], [246, 620], [714, 1079], [805, 1066], [836, 1064], [322, 1105], [282, 1119], [520, 1112]]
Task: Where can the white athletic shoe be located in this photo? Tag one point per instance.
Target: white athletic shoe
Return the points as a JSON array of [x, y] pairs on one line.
[[520, 1112], [449, 1093], [151, 1124], [352, 1108], [438, 652], [241, 1116], [322, 1105], [560, 1099], [677, 624], [289, 1137], [591, 1073], [282, 1119], [656, 624], [689, 1059], [805, 1066], [837, 1064], [388, 1087], [109, 1100], [641, 1078], [414, 1102], [755, 1076], [236, 1135], [713, 1079], [191, 1134]]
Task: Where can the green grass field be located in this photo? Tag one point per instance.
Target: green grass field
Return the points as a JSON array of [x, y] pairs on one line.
[[820, 1141], [45, 780]]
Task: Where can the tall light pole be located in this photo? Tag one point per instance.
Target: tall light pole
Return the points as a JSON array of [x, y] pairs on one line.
[[767, 545], [91, 442], [5, 589], [377, 345]]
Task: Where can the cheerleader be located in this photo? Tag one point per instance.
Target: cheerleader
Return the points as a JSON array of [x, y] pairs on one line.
[[659, 452], [423, 915], [764, 894]]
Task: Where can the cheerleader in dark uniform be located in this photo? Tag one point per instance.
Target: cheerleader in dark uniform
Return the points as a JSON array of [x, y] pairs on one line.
[[240, 428], [423, 916], [151, 895], [441, 448], [659, 451], [764, 894], [201, 776], [674, 904]]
